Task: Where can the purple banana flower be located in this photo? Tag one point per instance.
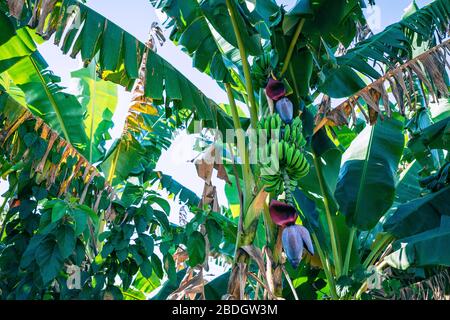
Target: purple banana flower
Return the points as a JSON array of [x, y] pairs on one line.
[[275, 89], [285, 109], [282, 214], [294, 239]]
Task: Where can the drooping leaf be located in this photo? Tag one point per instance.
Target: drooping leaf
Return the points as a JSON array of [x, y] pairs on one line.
[[396, 42], [121, 55], [45, 98]]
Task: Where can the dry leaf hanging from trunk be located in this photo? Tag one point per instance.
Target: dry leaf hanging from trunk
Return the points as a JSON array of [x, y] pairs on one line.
[[191, 285], [205, 167]]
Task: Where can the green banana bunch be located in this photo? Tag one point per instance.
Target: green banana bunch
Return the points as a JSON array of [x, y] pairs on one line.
[[262, 67], [292, 161], [293, 133], [272, 122], [273, 183]]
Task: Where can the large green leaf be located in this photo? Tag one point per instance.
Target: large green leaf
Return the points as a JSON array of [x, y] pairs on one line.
[[428, 248], [193, 33], [419, 215], [8, 30], [196, 248], [218, 15], [99, 99], [334, 21], [120, 56], [146, 285], [341, 82], [435, 136], [123, 158], [15, 45], [49, 259], [174, 187], [45, 98], [327, 164], [408, 187], [366, 185]]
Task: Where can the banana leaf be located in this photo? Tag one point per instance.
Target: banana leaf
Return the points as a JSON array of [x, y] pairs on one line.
[[397, 41], [193, 33], [419, 215], [366, 184], [408, 186], [436, 136], [429, 248], [123, 159], [46, 99], [99, 100], [174, 187], [120, 56]]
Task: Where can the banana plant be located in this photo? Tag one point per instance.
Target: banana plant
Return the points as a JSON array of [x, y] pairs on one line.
[[331, 201]]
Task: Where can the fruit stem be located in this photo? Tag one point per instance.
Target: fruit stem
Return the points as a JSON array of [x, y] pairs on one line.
[[287, 60], [330, 221], [289, 198], [245, 66], [326, 267], [349, 251]]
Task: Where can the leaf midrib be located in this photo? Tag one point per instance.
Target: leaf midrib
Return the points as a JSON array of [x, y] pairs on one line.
[[51, 99], [364, 172]]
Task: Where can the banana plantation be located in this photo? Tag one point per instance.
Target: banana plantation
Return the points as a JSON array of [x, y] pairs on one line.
[[332, 150]]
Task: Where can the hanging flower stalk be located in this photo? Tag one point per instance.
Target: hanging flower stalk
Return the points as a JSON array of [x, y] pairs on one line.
[[285, 145]]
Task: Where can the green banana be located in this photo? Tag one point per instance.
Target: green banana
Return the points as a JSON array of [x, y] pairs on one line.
[[295, 158], [290, 155], [272, 183], [286, 152], [294, 134], [267, 126], [287, 133], [280, 151], [302, 168], [262, 123], [273, 123]]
